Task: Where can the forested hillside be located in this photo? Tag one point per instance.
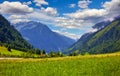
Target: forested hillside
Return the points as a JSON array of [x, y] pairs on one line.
[[103, 41], [10, 37]]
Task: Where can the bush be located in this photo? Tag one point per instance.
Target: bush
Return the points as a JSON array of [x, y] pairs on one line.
[[74, 53], [28, 54], [86, 53], [9, 49], [55, 54]]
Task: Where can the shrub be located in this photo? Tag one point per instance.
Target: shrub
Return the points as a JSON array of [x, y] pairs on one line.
[[9, 49]]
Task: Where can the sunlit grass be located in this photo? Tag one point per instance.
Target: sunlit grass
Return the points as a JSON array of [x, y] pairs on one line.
[[89, 65], [4, 51]]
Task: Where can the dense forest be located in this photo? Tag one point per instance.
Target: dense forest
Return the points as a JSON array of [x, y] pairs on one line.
[[11, 38]]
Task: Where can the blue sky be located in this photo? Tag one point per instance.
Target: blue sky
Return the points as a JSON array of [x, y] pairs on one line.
[[72, 18]]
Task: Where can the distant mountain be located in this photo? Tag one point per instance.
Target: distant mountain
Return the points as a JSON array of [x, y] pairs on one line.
[[40, 36], [104, 40], [9, 36], [101, 25]]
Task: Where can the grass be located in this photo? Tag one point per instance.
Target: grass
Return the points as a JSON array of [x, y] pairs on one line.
[[5, 52], [89, 65], [16, 53]]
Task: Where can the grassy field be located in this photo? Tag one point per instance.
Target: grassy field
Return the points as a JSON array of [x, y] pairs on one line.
[[4, 52], [15, 53], [90, 65]]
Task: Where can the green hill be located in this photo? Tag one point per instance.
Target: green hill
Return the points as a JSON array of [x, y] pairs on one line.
[[5, 53], [105, 40], [9, 36]]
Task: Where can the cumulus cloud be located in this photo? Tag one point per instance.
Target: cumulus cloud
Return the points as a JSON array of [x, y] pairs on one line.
[[112, 7], [84, 3], [72, 5], [82, 14], [92, 16], [50, 11], [36, 15], [40, 2], [40, 15], [14, 8], [68, 23], [82, 19], [18, 18]]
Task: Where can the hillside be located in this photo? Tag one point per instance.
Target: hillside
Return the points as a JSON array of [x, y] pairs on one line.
[[103, 41], [9, 36], [5, 53], [40, 36]]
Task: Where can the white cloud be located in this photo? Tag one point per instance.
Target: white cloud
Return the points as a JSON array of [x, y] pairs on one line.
[[92, 30], [112, 7], [18, 18], [84, 3], [40, 15], [14, 21], [82, 14], [37, 15], [67, 34], [27, 3], [92, 16], [72, 5], [14, 8], [81, 19], [50, 11], [68, 23], [40, 2]]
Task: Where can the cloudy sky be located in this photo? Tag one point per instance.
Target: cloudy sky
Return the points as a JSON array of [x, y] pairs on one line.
[[68, 17]]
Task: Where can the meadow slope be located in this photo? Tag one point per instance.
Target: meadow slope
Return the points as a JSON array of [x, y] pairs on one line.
[[5, 53]]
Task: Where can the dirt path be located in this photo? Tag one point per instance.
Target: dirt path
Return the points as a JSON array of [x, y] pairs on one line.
[[9, 58]]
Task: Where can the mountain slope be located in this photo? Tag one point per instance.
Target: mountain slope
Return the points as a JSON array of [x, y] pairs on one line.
[[40, 36], [11, 37], [103, 41], [101, 25]]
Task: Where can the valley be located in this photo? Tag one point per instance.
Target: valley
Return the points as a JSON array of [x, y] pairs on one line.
[[59, 37]]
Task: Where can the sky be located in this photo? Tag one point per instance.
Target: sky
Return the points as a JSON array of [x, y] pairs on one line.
[[71, 18]]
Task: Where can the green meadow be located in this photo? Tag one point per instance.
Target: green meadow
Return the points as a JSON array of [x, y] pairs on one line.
[[15, 53], [89, 65], [4, 52]]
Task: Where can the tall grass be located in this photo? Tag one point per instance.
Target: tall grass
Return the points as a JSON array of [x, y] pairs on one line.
[[66, 66]]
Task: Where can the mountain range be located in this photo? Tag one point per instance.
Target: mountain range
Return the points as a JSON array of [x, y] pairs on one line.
[[105, 40], [40, 36]]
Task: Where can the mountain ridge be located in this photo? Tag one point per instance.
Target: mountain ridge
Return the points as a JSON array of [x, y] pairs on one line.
[[40, 36], [104, 40]]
